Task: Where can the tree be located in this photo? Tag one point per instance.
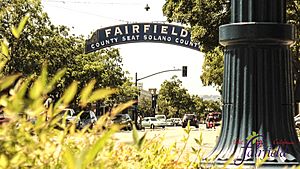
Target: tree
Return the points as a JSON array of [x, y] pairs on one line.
[[41, 42], [173, 99], [144, 107], [203, 18]]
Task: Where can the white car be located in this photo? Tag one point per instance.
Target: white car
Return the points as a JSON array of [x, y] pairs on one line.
[[70, 114], [161, 117], [169, 122], [297, 120], [152, 122], [177, 121], [87, 118]]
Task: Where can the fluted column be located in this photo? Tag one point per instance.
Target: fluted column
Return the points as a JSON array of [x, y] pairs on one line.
[[257, 86]]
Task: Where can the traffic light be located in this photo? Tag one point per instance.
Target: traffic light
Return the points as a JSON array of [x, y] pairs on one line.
[[184, 71], [153, 103]]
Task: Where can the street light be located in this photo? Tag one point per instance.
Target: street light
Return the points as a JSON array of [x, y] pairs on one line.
[[147, 7]]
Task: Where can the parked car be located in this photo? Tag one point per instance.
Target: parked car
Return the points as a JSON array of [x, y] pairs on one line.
[[152, 122], [192, 118], [297, 120], [124, 120], [209, 121], [217, 117], [87, 118], [169, 122], [70, 114], [177, 121], [161, 117]]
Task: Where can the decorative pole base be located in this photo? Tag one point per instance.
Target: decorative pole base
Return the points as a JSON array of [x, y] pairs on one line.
[[258, 97]]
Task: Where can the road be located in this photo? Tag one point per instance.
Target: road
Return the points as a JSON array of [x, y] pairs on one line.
[[176, 134]]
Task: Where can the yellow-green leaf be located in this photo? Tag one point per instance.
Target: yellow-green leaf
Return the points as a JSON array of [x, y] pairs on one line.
[[3, 161], [44, 75], [4, 49], [36, 89], [8, 81], [101, 93], [141, 141], [86, 91], [121, 107], [69, 159], [70, 93], [228, 162], [55, 79], [93, 150], [17, 31], [135, 135]]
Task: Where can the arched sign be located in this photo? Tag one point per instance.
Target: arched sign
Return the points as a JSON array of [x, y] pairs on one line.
[[140, 32]]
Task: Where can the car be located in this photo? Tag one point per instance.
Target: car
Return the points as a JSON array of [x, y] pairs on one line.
[[177, 121], [169, 122], [209, 121], [152, 122], [161, 117], [70, 114], [297, 120], [87, 118], [192, 118], [124, 120], [217, 118]]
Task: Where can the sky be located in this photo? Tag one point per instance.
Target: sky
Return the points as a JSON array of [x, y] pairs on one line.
[[86, 16]]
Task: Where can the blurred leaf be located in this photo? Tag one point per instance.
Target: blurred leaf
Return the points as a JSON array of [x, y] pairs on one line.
[[86, 91], [8, 81], [194, 150], [44, 75], [4, 48], [135, 135], [3, 161], [18, 159], [70, 93], [100, 94], [69, 159], [55, 79], [197, 141], [17, 31], [260, 161], [228, 162], [88, 156], [141, 141], [121, 107], [36, 89]]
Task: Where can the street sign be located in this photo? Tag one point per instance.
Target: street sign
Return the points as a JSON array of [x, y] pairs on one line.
[[140, 32]]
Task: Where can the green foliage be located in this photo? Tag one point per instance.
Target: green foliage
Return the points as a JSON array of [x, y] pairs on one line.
[[33, 41], [175, 101], [39, 144], [144, 106], [213, 68]]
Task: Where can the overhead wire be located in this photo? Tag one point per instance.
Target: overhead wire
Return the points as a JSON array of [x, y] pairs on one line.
[[89, 13], [92, 2]]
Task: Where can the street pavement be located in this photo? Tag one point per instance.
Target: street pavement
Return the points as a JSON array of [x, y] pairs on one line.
[[176, 134]]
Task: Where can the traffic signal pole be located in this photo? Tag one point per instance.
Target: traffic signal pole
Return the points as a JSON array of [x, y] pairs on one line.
[[135, 114]]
